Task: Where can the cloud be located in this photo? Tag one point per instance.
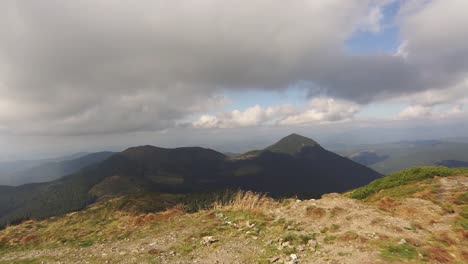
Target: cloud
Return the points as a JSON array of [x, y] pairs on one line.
[[432, 113], [101, 66], [318, 110], [372, 21], [415, 112], [252, 116], [323, 110]]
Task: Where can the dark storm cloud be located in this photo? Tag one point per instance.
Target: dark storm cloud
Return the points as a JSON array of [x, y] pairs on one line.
[[84, 67]]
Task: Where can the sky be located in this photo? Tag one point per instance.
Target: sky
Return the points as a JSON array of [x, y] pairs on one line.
[[96, 75]]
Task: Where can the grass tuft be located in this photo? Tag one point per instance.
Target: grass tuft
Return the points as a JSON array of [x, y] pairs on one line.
[[246, 201]]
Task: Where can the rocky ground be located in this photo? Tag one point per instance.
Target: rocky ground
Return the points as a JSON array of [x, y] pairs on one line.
[[422, 222]]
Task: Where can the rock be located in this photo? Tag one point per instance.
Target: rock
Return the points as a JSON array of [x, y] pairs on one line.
[[208, 240], [286, 244], [301, 248], [219, 215], [293, 258], [402, 242], [312, 244]]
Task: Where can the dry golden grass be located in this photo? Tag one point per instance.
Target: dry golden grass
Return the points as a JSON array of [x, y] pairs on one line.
[[247, 201], [446, 238], [315, 212], [438, 255], [387, 204], [349, 236], [31, 238], [465, 255], [144, 219]]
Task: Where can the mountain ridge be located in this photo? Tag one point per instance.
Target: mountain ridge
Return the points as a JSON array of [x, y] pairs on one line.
[[309, 172]]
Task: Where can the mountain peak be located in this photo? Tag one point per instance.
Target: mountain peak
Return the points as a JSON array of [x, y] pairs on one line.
[[292, 144]]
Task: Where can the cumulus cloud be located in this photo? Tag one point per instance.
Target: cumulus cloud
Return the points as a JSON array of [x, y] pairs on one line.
[[318, 110], [414, 112], [252, 116], [102, 66], [323, 110], [436, 103]]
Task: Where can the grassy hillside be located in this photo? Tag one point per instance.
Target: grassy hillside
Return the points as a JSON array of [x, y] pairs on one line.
[[423, 219], [404, 177]]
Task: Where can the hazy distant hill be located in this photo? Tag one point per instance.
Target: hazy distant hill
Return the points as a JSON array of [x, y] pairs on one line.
[[9, 167], [400, 155], [52, 170], [294, 166], [453, 163], [367, 157]]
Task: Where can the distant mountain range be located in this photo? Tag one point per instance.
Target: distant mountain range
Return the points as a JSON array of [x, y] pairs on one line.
[[8, 167], [391, 157], [453, 163], [295, 165], [22, 172]]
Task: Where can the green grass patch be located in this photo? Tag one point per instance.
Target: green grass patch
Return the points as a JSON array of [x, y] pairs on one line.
[[329, 239], [86, 243], [305, 238], [404, 177], [463, 223], [290, 237], [397, 192], [464, 212], [396, 253], [334, 228], [462, 199]]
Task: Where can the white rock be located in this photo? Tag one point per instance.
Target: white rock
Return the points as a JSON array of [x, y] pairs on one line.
[[208, 240], [285, 244]]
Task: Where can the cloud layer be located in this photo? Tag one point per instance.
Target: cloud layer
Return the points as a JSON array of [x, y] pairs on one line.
[[318, 111], [100, 66]]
